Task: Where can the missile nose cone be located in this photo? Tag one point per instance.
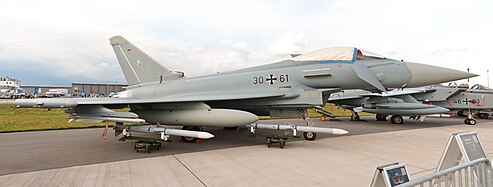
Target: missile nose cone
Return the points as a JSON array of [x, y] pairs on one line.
[[339, 131], [424, 75], [204, 135]]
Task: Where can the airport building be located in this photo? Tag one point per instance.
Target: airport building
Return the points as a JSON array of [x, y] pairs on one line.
[[96, 89], [76, 90], [42, 90]]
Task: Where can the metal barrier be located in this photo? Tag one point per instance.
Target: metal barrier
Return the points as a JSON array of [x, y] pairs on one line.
[[471, 174]]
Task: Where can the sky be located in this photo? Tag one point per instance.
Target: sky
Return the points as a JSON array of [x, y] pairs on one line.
[[57, 42]]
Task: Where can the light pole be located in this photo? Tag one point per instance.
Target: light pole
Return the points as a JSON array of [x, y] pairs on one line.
[[467, 72]]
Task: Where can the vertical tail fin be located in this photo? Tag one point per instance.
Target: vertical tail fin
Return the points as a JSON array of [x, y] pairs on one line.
[[137, 66]]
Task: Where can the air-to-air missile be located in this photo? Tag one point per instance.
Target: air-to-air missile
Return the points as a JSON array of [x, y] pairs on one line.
[[165, 132], [287, 88], [308, 131]]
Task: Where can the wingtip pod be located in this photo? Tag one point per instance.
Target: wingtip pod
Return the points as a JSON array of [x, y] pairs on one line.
[[7, 102], [44, 103]]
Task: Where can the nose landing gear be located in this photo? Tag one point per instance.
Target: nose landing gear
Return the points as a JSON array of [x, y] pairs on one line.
[[470, 120]]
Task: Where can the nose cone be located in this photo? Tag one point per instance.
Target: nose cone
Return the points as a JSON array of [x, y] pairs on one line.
[[424, 75]]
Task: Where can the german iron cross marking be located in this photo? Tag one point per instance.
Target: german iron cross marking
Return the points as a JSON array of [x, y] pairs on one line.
[[271, 79]]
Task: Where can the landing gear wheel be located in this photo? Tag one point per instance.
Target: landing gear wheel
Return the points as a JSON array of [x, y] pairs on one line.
[[323, 118], [396, 119], [355, 118], [190, 139], [310, 136], [470, 121], [381, 117], [461, 113], [483, 115]]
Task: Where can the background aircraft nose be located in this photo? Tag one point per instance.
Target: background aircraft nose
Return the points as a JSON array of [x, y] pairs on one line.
[[424, 75]]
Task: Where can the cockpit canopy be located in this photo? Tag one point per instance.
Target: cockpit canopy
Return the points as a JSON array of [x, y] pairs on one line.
[[347, 54]]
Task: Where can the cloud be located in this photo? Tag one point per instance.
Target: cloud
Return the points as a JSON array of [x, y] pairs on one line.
[[68, 40], [288, 43]]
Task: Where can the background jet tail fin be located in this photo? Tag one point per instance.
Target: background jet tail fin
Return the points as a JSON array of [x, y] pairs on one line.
[[137, 66]]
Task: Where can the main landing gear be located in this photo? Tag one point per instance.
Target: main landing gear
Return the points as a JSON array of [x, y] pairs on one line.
[[381, 117], [483, 115], [191, 139], [354, 116], [310, 136], [394, 119], [397, 119]]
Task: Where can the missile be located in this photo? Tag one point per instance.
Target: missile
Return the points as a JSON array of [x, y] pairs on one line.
[[165, 131], [299, 128]]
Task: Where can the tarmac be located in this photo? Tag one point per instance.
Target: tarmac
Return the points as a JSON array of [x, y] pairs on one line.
[[81, 158]]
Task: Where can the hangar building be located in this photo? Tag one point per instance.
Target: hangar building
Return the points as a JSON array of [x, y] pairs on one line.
[[89, 89]]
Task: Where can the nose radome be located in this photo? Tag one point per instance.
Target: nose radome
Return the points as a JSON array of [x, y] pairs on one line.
[[424, 75]]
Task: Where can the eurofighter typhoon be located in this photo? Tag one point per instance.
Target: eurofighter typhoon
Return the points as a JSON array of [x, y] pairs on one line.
[[288, 88]]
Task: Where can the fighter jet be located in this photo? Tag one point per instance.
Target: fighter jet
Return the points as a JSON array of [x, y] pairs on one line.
[[418, 102], [287, 88], [396, 103], [465, 102]]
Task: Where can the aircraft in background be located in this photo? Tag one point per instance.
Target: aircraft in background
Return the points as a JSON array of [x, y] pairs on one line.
[[476, 101], [288, 88], [396, 103], [416, 102], [9, 87]]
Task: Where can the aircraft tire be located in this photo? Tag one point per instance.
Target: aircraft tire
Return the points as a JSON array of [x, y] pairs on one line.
[[397, 119], [381, 117], [310, 136], [190, 139], [483, 115], [470, 121], [460, 113]]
